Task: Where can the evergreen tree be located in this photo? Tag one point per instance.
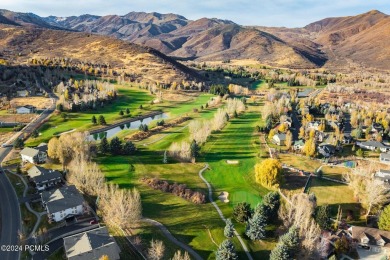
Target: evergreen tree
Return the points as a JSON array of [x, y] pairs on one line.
[[93, 120], [143, 127], [291, 240], [128, 148], [165, 159], [280, 252], [255, 228], [226, 251], [229, 229], [18, 143], [127, 111], [272, 201], [102, 120], [115, 146], [121, 113], [104, 146], [194, 150], [323, 217], [242, 212], [384, 219], [34, 134], [140, 107]]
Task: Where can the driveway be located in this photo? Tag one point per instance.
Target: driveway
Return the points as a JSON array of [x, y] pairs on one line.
[[371, 254]]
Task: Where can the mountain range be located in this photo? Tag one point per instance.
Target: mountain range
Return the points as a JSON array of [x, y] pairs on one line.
[[338, 42]]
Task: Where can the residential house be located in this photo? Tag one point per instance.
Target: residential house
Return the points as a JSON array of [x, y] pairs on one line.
[[313, 125], [34, 155], [22, 93], [298, 145], [44, 178], [91, 245], [384, 158], [347, 139], [383, 175], [327, 150], [373, 145], [375, 238], [63, 203], [287, 121], [25, 109], [279, 139], [320, 136], [377, 127]]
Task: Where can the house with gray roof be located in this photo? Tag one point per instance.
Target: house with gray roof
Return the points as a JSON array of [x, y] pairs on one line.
[[279, 139], [372, 237], [384, 158], [91, 245], [383, 175], [63, 203], [34, 155], [373, 145], [44, 178]]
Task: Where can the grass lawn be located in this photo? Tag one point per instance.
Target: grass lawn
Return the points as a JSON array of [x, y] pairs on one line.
[[299, 161], [335, 172], [28, 219], [237, 142], [258, 85], [128, 97], [335, 194], [16, 183], [197, 225]]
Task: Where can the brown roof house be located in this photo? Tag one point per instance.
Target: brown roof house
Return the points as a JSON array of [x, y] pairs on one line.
[[376, 239]]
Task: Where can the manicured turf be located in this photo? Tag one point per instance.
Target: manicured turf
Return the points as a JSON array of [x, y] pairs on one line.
[[335, 194], [128, 97], [258, 85], [192, 223]]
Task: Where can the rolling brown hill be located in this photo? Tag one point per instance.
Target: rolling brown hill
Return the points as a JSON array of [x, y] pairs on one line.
[[339, 42], [360, 40], [18, 44]]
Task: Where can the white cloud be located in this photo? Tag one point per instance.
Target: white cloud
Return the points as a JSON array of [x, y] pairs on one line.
[[290, 13]]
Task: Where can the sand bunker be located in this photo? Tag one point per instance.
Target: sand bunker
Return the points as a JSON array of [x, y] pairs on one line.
[[224, 196], [232, 161]]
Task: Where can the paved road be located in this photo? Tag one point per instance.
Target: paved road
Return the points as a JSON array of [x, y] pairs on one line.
[[10, 213], [347, 123], [220, 212], [9, 204]]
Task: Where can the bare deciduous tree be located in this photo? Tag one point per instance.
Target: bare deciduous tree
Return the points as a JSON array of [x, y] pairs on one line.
[[156, 250], [179, 256]]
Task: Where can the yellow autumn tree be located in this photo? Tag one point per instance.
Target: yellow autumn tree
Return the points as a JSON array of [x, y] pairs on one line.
[[271, 134], [309, 149], [289, 140], [269, 173]]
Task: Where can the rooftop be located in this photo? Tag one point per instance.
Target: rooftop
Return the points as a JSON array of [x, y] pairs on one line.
[[40, 174], [28, 151], [91, 245], [62, 198]]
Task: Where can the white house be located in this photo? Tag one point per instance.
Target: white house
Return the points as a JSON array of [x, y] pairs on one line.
[[25, 109], [34, 155], [92, 244], [298, 145], [373, 145], [63, 203], [44, 178], [279, 139], [22, 93], [313, 125], [383, 175], [384, 158]]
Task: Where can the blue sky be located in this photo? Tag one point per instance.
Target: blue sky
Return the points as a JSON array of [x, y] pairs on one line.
[[289, 13]]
